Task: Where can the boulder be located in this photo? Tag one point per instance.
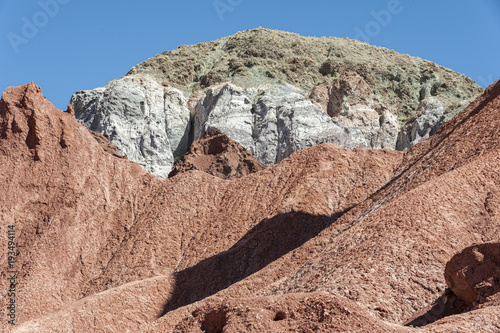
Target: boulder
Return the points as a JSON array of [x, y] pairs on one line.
[[474, 274]]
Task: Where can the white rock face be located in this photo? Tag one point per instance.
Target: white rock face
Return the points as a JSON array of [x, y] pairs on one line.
[[178, 121], [353, 104], [428, 123], [146, 121], [280, 122], [286, 122], [228, 109], [151, 124]]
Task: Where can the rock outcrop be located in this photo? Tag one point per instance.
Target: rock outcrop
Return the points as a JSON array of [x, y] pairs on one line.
[[280, 122], [474, 273], [254, 87], [286, 122], [430, 117], [352, 104], [228, 109], [216, 154], [329, 239], [149, 123]]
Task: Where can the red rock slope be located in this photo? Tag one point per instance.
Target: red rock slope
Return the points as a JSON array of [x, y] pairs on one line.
[[329, 239], [217, 154]]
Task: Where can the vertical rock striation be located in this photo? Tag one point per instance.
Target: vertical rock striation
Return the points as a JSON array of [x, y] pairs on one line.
[[148, 123]]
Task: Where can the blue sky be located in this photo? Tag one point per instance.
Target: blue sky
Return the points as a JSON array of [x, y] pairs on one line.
[[70, 45]]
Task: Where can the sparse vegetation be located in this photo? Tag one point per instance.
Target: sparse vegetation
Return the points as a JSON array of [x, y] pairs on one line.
[[262, 56]]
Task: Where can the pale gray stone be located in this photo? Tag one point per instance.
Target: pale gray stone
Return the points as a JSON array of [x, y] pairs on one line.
[[280, 122], [428, 123], [178, 121], [146, 121], [287, 122], [228, 109]]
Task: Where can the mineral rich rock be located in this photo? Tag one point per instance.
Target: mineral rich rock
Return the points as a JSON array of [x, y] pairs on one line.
[[474, 273], [229, 110], [285, 122], [253, 86], [280, 122], [151, 124], [329, 239], [177, 121], [353, 105], [148, 123], [215, 153], [430, 118]]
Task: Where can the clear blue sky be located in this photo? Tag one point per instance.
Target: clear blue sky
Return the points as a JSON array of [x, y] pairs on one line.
[[83, 44]]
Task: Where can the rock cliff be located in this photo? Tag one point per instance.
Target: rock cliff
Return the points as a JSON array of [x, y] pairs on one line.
[[280, 121], [149, 123]]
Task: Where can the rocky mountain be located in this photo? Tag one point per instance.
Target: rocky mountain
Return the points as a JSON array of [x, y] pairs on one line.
[[328, 239], [149, 123], [275, 93]]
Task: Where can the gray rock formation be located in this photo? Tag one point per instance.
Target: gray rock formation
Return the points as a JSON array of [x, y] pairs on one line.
[[280, 122], [285, 122], [228, 109], [146, 121], [178, 121], [151, 123], [352, 104], [432, 117]]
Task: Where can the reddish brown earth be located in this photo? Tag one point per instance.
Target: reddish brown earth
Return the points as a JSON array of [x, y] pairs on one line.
[[474, 274], [330, 239], [216, 154]]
